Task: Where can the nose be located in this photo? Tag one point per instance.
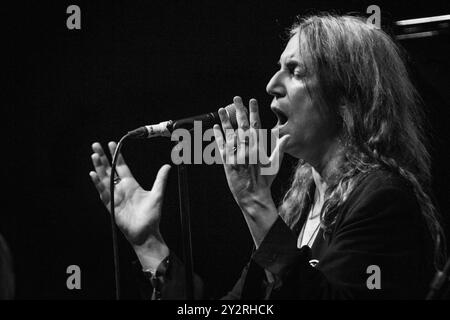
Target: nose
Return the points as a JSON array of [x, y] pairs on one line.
[[275, 86]]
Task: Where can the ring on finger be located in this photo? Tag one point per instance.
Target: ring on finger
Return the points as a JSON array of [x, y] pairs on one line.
[[241, 143]]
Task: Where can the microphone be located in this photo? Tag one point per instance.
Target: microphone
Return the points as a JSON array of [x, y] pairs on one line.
[[165, 128]]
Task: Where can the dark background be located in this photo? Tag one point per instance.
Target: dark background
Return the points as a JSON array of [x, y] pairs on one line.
[[141, 62]]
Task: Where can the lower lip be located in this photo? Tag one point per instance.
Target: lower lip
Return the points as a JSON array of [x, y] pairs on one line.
[[280, 127]]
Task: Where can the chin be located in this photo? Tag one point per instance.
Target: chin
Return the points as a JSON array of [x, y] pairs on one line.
[[291, 151], [294, 149], [293, 154]]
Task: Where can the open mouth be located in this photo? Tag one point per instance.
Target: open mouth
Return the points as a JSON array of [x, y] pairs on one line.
[[282, 118]]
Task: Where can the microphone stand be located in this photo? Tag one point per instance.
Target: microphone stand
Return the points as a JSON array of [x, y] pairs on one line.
[[183, 196]]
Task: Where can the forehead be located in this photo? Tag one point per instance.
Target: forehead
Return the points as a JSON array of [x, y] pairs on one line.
[[292, 49]]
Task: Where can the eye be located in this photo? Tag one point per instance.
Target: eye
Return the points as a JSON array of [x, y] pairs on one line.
[[296, 70]]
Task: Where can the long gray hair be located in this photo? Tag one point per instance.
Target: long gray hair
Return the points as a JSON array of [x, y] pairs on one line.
[[364, 82]]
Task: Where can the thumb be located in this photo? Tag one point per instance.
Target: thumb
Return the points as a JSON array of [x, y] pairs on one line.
[[278, 152], [275, 158], [161, 179]]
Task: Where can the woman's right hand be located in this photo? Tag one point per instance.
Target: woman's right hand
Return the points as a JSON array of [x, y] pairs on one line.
[[137, 211]]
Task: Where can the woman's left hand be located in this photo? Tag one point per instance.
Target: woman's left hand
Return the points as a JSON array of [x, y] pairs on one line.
[[249, 180]]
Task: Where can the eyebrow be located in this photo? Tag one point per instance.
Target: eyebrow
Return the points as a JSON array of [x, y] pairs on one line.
[[290, 62]]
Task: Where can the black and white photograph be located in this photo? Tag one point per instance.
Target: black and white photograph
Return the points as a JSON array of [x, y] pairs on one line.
[[231, 151]]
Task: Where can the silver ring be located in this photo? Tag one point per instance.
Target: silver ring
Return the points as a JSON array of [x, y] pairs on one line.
[[244, 143], [117, 180]]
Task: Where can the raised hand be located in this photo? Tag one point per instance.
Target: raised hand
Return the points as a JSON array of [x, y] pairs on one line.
[[249, 186], [137, 211]]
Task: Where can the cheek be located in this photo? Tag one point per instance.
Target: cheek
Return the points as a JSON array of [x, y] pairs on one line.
[[309, 125], [305, 117], [308, 135]]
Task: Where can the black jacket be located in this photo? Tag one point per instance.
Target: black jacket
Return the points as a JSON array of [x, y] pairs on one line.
[[379, 248]]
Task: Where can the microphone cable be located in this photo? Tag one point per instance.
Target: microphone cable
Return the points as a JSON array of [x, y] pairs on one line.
[[113, 216], [438, 282]]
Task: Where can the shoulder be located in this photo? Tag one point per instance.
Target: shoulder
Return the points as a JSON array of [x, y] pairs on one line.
[[379, 180], [382, 212], [381, 194], [382, 183]]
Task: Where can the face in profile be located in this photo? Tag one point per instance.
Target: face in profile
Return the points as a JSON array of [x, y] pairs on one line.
[[311, 127]]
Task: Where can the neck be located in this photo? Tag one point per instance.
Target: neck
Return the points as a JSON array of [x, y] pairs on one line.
[[321, 186], [325, 167]]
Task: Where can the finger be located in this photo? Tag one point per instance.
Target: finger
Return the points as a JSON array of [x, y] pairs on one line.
[[243, 146], [97, 148], [102, 190], [225, 120], [280, 146], [277, 155], [243, 126], [241, 113], [99, 166], [253, 147], [255, 121], [161, 180], [227, 129], [112, 145], [219, 138], [122, 168]]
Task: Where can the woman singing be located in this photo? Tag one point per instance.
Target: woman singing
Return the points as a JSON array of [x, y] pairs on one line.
[[357, 220]]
